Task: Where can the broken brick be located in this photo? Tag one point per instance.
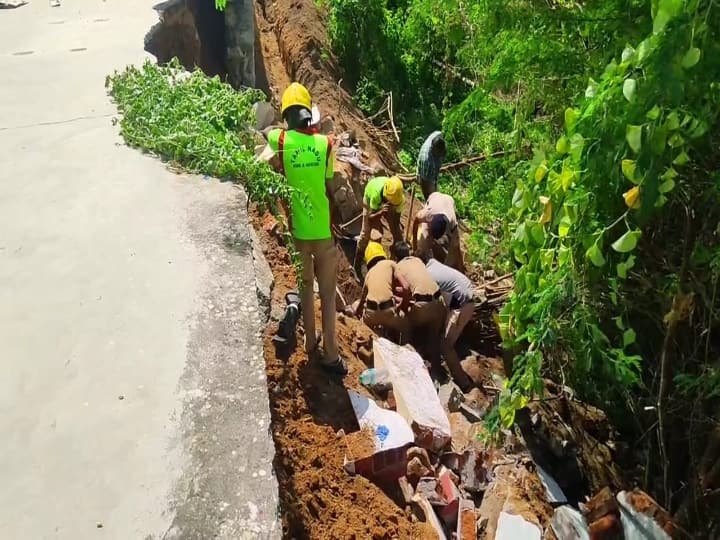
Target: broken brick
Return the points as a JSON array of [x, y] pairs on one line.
[[416, 470], [451, 497], [467, 524]]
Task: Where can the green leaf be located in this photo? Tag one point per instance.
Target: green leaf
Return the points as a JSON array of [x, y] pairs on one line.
[[629, 337], [666, 11], [691, 58], [624, 267], [577, 143], [629, 89], [676, 140], [591, 89], [633, 136], [673, 121], [564, 256], [627, 242], [628, 169], [660, 20], [627, 53], [566, 178], [667, 186], [562, 146], [653, 114], [682, 159], [571, 117], [595, 255], [564, 226], [658, 140], [619, 322], [537, 232]]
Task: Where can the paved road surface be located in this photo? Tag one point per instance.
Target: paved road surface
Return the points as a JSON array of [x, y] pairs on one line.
[[132, 395]]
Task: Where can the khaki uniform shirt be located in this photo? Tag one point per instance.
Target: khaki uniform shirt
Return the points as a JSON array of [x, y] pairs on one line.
[[379, 281], [417, 276]]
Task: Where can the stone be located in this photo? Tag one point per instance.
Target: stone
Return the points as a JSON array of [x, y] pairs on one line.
[[421, 454], [416, 470], [264, 115], [473, 474], [643, 518], [406, 489], [462, 432], [602, 504], [428, 488], [451, 397], [417, 400], [427, 511], [567, 522], [607, 528], [513, 527], [471, 414], [553, 491]]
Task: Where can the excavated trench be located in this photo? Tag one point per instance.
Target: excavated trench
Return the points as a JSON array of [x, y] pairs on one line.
[[309, 410]]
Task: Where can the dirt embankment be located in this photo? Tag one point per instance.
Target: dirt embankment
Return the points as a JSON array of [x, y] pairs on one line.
[[293, 42]]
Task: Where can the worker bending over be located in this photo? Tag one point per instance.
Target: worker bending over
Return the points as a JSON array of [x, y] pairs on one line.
[[435, 231], [378, 305], [383, 198], [429, 161], [306, 161], [425, 310], [457, 291]]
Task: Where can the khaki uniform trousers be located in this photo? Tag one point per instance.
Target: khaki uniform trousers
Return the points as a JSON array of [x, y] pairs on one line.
[[319, 260]]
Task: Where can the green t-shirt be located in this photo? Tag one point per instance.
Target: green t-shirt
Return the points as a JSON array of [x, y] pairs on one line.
[[307, 163], [373, 195]]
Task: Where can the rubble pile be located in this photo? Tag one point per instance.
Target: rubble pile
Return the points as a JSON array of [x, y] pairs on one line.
[[427, 441]]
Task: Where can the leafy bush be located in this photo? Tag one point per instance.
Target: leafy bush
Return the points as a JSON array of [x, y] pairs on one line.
[[198, 122]]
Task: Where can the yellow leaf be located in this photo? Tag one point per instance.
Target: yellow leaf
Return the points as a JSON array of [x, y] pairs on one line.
[[541, 171], [632, 197], [547, 210]]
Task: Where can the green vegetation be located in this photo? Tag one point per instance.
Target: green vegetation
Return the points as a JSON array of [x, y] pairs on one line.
[[197, 122], [605, 201]]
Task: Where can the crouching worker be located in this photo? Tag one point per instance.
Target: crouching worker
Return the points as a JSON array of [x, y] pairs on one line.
[[379, 306], [425, 309], [435, 231], [457, 290], [383, 198], [306, 161]]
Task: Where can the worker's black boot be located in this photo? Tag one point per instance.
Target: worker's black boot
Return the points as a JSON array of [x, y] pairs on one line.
[[285, 334]]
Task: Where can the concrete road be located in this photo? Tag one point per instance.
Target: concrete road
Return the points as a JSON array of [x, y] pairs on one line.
[[133, 401]]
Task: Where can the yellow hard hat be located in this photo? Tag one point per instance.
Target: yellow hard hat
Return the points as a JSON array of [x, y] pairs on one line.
[[295, 94], [374, 250], [393, 191]]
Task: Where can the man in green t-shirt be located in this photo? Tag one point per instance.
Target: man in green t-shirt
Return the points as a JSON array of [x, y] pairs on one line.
[[383, 198], [306, 161]]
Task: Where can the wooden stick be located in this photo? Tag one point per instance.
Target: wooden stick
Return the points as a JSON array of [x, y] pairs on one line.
[[458, 164], [491, 282], [390, 114], [410, 216]]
